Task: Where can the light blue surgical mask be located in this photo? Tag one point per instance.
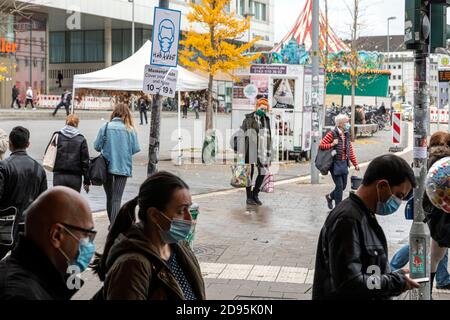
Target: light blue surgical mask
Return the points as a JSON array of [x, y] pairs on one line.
[[86, 251], [179, 230], [347, 127], [389, 207]]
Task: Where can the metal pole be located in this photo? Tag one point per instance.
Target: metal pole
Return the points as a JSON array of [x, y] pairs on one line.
[[419, 237], [155, 124], [132, 29], [31, 54], [179, 129], [388, 49], [315, 118]]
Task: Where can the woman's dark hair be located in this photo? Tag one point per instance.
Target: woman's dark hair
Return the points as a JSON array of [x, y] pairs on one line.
[[391, 168], [156, 192]]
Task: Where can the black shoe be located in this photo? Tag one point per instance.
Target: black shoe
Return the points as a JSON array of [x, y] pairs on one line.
[[256, 198], [251, 202], [329, 202], [446, 287]]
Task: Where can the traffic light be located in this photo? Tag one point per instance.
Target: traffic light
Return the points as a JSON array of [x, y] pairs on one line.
[[426, 24]]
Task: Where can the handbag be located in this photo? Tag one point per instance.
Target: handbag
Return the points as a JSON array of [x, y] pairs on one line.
[[240, 175], [98, 166], [50, 153], [268, 183], [325, 158]]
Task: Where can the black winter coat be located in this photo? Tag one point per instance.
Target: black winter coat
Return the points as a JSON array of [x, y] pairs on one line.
[[27, 274], [258, 139], [351, 246], [22, 180], [72, 156]]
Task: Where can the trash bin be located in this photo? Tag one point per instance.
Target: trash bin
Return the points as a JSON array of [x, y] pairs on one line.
[[194, 213]]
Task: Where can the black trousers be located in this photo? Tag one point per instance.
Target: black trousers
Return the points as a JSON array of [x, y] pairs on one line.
[[16, 100], [114, 188], [258, 183], [60, 105], [72, 181], [143, 113], [27, 102]]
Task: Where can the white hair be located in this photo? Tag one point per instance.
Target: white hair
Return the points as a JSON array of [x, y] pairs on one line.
[[340, 118]]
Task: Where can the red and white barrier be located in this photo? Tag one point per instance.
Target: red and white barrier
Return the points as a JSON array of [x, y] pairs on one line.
[[87, 103], [396, 128], [439, 115]]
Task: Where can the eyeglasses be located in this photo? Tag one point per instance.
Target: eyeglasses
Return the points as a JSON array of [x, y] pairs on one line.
[[90, 232]]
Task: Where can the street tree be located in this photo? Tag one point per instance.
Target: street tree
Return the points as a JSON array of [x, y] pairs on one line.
[[216, 49]]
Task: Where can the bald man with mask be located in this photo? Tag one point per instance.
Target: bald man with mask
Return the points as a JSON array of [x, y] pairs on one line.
[[57, 246]]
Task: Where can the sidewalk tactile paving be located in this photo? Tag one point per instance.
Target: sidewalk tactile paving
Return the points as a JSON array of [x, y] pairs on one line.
[[264, 273], [310, 277], [292, 275], [236, 271], [212, 270]]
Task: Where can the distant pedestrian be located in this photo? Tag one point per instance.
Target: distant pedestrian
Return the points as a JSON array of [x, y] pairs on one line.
[[29, 98], [120, 145], [4, 141], [196, 107], [352, 251], [15, 97], [150, 259], [143, 106], [186, 104], [339, 140], [72, 157], [59, 234], [60, 78], [66, 98]]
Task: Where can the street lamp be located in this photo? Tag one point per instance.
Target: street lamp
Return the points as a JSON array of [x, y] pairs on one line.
[[132, 26], [388, 20]]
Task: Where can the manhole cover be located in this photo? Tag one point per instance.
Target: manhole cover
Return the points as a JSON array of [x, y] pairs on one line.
[[209, 250]]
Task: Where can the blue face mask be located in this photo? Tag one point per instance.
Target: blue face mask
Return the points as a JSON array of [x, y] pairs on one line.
[[389, 207], [86, 251], [179, 230], [347, 127]]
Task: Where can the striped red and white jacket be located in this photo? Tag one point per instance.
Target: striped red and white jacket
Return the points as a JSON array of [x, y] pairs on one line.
[[327, 141]]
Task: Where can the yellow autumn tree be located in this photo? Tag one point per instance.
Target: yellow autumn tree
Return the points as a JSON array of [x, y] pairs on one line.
[[3, 71], [216, 49]]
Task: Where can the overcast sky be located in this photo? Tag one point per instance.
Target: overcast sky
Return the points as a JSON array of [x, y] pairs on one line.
[[374, 13]]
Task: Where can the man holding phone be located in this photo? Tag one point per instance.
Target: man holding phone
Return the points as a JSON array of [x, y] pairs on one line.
[[352, 252]]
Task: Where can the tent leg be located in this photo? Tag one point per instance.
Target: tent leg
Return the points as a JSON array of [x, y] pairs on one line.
[[72, 107], [179, 158]]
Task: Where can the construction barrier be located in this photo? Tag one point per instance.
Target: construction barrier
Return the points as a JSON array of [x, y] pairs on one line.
[[396, 128], [87, 103], [438, 115]]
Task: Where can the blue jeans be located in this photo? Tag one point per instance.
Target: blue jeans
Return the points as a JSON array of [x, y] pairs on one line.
[[340, 182], [401, 258]]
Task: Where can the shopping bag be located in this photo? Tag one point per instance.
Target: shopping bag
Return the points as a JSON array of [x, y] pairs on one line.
[[240, 176], [268, 183], [50, 154]]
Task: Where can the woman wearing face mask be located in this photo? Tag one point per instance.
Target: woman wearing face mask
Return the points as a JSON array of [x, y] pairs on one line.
[[256, 127], [339, 140], [150, 259]]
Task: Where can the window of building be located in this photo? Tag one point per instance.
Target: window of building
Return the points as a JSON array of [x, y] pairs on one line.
[[242, 7], [394, 77], [76, 48], [399, 66], [57, 47], [399, 77], [93, 42]]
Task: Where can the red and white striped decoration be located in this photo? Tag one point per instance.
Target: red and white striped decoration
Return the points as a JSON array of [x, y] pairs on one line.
[[302, 32], [396, 127]]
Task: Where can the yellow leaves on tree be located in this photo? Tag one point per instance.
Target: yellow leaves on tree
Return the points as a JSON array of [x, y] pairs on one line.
[[216, 49], [213, 47], [3, 70]]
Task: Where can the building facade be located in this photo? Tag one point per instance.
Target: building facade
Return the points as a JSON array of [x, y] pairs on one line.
[[73, 37]]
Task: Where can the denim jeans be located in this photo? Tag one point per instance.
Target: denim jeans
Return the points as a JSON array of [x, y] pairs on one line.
[[341, 183], [401, 259]]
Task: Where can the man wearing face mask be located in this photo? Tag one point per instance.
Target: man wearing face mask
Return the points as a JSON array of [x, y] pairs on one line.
[[56, 247], [352, 252], [339, 140]]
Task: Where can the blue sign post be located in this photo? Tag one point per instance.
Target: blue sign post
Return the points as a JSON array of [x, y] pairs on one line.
[[166, 35]]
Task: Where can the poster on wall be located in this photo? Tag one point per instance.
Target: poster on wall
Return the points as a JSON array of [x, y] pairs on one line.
[[240, 101], [247, 89], [283, 94], [307, 131]]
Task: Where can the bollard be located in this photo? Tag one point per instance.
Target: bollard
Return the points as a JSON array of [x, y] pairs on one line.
[[194, 210]]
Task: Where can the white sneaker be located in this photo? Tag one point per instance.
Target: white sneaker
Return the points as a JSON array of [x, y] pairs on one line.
[[34, 108]]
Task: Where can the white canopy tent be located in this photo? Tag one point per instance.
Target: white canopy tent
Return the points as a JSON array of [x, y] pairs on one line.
[[128, 75]]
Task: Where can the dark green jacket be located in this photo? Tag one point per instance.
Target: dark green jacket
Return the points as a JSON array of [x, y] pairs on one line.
[[135, 270]]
